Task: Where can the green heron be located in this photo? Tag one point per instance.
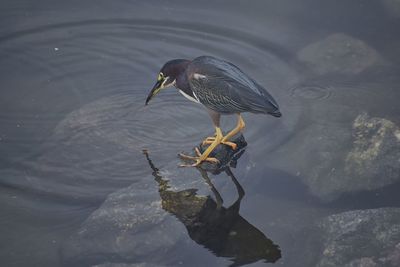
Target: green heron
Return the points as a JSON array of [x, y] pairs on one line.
[[222, 88]]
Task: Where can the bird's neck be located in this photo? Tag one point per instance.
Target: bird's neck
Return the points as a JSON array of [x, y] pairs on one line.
[[180, 67], [183, 85], [178, 71], [182, 81]]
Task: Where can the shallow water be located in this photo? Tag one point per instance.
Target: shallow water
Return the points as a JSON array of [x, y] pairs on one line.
[[74, 77]]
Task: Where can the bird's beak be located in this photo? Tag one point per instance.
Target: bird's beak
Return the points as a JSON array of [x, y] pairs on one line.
[[156, 88]]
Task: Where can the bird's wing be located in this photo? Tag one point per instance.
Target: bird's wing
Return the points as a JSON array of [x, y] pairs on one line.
[[223, 87]]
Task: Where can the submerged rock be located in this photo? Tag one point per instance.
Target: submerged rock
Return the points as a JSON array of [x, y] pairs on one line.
[[142, 264], [375, 155], [339, 53], [360, 238], [392, 7], [337, 160], [121, 231], [225, 154], [135, 226]]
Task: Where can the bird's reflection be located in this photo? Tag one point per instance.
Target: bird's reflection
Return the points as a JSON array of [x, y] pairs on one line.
[[221, 230]]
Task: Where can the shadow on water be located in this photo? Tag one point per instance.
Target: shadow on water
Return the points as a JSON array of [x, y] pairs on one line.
[[222, 230]]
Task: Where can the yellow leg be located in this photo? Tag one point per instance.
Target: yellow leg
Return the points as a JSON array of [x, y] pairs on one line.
[[209, 140], [213, 145], [198, 153], [240, 126]]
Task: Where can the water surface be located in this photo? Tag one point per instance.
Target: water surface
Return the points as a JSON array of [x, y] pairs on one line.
[[74, 77]]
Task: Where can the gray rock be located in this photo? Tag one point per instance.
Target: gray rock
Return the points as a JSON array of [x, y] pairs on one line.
[[146, 223], [124, 228], [225, 154], [360, 238], [143, 264], [392, 7], [339, 53], [375, 155], [371, 162], [340, 158]]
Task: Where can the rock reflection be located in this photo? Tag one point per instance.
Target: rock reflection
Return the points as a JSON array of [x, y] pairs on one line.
[[220, 229]]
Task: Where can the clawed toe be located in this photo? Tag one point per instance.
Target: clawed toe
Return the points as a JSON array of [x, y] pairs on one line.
[[208, 140], [183, 156], [197, 159], [231, 144], [200, 157]]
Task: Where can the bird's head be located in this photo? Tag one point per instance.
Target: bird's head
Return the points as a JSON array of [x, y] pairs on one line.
[[168, 75]]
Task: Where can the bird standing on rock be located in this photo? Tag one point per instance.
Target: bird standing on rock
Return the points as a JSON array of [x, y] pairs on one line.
[[222, 88]]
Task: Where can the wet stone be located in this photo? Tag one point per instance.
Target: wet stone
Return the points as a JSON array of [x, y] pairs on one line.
[[225, 154], [143, 264], [125, 228], [360, 238], [375, 155], [392, 7], [339, 53], [337, 160], [161, 215], [372, 162]]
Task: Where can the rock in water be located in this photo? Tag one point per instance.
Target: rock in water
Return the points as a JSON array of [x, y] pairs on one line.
[[375, 155], [361, 238], [344, 158], [225, 154], [372, 162], [392, 7], [125, 228], [339, 53], [135, 224]]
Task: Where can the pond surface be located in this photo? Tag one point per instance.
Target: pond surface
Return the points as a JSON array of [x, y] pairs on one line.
[[74, 77]]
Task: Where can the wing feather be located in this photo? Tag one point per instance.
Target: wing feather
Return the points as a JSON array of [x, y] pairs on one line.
[[223, 87]]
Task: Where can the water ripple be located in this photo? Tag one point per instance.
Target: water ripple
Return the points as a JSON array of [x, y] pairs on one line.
[[90, 82], [311, 91]]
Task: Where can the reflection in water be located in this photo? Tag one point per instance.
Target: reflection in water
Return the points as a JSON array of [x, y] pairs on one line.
[[221, 230]]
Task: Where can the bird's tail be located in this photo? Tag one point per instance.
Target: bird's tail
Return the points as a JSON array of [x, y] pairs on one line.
[[276, 113]]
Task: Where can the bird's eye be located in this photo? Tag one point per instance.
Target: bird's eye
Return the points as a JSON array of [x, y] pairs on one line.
[[160, 76]]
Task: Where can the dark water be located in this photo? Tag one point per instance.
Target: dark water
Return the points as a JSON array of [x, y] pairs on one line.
[[74, 76]]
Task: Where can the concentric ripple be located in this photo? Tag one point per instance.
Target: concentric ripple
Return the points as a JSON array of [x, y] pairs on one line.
[[86, 82], [311, 91]]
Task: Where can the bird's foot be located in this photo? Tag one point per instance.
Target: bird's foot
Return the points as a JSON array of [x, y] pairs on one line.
[[210, 140], [198, 159]]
